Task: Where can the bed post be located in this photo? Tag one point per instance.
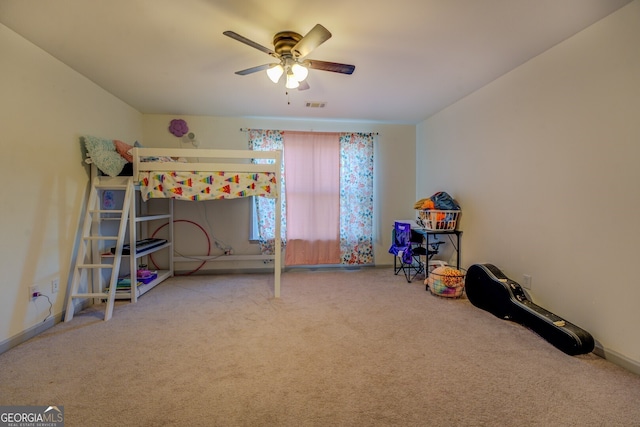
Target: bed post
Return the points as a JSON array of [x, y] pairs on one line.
[[278, 240]]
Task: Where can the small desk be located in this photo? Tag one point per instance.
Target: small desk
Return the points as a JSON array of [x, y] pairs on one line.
[[433, 233]]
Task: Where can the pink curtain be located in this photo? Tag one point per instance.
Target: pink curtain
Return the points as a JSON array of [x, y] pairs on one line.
[[312, 174]]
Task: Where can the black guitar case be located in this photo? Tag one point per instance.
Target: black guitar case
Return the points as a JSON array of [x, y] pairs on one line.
[[489, 289]]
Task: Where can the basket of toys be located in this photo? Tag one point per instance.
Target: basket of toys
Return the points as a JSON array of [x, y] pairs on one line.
[[446, 281], [438, 212], [436, 219]]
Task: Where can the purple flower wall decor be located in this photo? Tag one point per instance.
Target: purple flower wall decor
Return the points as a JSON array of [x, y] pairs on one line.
[[178, 127]]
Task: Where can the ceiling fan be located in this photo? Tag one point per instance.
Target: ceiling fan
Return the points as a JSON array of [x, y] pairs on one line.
[[291, 49]]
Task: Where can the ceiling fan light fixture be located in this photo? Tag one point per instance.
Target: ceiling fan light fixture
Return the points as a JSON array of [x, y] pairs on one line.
[[292, 83], [300, 72], [275, 73]]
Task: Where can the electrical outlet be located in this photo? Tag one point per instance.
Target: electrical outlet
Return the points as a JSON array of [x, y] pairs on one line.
[[55, 284], [526, 281], [33, 289]]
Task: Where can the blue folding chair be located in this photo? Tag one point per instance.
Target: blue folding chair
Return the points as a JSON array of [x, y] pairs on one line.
[[407, 246]]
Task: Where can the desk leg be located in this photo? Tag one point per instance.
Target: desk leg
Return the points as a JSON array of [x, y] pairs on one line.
[[458, 252]]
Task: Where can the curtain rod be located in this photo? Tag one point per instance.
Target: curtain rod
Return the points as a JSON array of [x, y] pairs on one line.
[[373, 133]]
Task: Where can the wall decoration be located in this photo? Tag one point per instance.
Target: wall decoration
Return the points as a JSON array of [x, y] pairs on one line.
[[178, 127]]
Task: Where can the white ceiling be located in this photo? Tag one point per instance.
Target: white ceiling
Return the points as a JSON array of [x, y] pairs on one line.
[[412, 57]]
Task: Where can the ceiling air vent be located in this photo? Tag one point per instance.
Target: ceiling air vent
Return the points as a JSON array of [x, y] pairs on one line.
[[315, 104]]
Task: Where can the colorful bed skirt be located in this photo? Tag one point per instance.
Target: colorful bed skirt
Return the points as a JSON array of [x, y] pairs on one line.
[[198, 186]]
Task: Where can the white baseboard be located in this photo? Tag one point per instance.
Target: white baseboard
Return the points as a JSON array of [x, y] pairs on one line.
[[617, 359], [35, 330], [29, 333]]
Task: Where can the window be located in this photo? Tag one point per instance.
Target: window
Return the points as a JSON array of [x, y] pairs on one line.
[[355, 196]]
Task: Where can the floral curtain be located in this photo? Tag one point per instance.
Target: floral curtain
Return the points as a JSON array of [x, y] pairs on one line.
[[356, 198], [267, 140]]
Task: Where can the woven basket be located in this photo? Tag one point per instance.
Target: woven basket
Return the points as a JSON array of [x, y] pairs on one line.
[[446, 282]]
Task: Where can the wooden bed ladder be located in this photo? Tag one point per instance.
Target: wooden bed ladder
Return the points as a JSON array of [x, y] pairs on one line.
[[89, 257]]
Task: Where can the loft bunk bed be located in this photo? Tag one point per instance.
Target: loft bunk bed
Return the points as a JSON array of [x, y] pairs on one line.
[[174, 174], [209, 174]]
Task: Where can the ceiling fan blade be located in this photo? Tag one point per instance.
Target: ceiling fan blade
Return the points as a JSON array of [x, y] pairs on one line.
[[330, 66], [251, 43], [312, 40], [304, 85], [255, 69]]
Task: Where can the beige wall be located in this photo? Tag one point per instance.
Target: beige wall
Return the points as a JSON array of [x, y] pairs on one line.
[[544, 162], [228, 220], [44, 108]]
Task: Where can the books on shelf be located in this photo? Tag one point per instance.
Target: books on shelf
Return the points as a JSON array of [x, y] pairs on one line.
[[124, 285]]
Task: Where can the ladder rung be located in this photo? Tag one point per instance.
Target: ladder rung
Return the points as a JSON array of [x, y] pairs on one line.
[[106, 211], [91, 295], [100, 238], [95, 266]]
